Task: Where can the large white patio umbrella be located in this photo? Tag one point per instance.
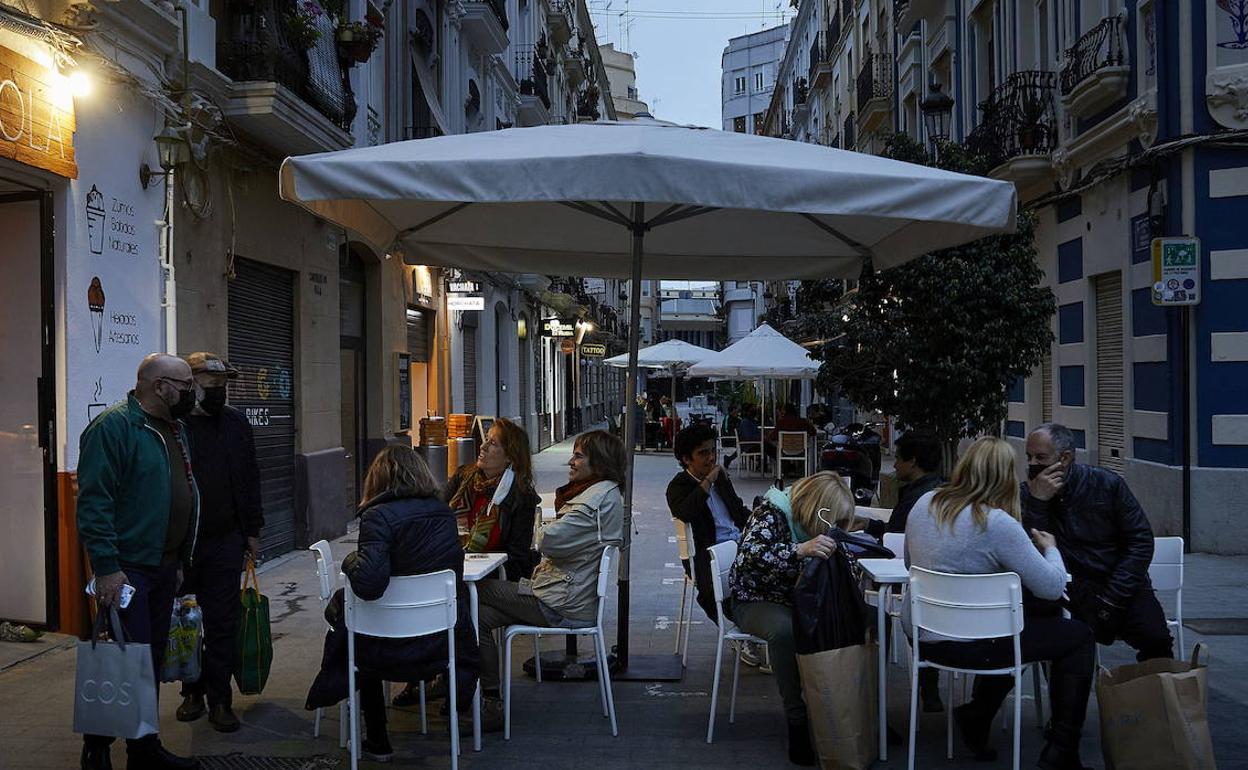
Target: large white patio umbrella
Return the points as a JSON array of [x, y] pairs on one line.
[[672, 355], [764, 352], [643, 199]]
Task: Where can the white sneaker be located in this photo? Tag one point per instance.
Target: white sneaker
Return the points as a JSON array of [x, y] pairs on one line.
[[751, 655]]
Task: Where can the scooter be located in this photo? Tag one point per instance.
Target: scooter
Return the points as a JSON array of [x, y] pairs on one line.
[[845, 453]]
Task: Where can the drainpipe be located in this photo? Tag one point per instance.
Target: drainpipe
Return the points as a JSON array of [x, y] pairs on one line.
[[170, 304]]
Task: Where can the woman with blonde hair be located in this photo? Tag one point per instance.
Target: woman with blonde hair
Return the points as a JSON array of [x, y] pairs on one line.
[[405, 529], [972, 527], [785, 530]]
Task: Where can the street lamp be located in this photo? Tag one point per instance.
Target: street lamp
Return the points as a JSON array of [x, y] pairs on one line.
[[936, 107], [172, 151]]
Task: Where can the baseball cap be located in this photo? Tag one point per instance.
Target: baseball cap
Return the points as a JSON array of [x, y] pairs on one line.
[[210, 363]]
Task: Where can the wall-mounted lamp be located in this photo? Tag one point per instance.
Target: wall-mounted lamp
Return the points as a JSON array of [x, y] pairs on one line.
[[522, 329], [172, 151]]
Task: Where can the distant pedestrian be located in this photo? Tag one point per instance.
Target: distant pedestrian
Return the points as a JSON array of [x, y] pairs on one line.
[[137, 517], [729, 428], [223, 454]]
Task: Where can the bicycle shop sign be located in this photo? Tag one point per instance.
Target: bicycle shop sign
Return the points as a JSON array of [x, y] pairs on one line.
[[36, 115]]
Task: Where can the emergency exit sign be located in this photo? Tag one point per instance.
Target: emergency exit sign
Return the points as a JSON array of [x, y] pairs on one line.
[[1176, 271]]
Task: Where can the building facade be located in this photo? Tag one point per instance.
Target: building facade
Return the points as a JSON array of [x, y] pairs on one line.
[[622, 76], [1117, 121], [748, 76]]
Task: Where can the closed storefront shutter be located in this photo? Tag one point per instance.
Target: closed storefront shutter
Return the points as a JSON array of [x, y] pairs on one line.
[[1046, 386], [470, 362], [262, 346], [524, 364], [418, 323], [1109, 406]]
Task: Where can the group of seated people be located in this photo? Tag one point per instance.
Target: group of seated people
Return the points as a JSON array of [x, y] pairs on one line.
[[411, 524], [1064, 519]]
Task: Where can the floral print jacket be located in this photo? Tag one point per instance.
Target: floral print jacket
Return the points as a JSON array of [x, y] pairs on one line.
[[767, 565]]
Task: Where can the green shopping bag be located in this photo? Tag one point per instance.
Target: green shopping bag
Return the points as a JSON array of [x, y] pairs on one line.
[[255, 639]]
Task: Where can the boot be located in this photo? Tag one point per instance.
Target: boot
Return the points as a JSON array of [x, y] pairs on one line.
[[1069, 697], [929, 690], [192, 708], [974, 719], [148, 754], [97, 756], [800, 750], [223, 719]]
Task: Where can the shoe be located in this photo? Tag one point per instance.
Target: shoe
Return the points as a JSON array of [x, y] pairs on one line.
[[148, 754], [377, 749], [223, 720], [751, 655], [929, 691], [491, 717], [408, 696], [1069, 698], [975, 730], [192, 708], [800, 750], [97, 757]]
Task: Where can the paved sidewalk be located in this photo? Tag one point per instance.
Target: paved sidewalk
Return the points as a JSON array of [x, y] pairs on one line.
[[559, 725]]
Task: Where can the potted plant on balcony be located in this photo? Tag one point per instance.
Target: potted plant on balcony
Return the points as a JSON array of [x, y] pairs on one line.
[[1032, 126], [358, 39], [302, 24]]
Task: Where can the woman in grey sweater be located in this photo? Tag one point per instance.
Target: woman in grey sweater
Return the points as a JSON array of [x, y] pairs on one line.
[[972, 527]]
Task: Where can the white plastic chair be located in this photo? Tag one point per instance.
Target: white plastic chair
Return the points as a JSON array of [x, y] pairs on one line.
[[791, 447], [750, 453], [685, 549], [595, 631], [1166, 574], [412, 606], [327, 583], [722, 557], [965, 608]]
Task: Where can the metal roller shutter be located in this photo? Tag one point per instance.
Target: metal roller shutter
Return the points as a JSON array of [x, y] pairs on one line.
[[524, 364], [470, 362], [418, 335], [1046, 386], [262, 347], [1109, 406]]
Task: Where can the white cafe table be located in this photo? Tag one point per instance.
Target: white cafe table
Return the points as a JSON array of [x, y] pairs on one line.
[[884, 573], [476, 567]]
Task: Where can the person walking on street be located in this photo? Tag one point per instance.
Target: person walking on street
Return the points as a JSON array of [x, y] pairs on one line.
[[137, 518], [1105, 540], [223, 454]]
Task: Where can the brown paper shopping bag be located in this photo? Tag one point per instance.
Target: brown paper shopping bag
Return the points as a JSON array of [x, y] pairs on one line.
[[839, 689], [1153, 715]]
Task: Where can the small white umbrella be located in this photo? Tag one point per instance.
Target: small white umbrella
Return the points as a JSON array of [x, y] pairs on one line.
[[693, 202], [764, 352], [672, 355]]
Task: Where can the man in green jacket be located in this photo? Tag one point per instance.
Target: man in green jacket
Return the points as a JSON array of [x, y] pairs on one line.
[[138, 515]]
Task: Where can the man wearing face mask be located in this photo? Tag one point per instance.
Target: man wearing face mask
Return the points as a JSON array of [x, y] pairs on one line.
[[1104, 538], [137, 516], [224, 455]]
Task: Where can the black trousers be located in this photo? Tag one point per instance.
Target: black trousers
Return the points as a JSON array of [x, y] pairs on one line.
[[1142, 623], [146, 621], [372, 707], [214, 579], [1065, 643]]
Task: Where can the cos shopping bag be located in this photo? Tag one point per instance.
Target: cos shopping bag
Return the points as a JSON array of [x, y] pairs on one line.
[[255, 640], [186, 642], [1153, 715], [839, 689], [114, 684]]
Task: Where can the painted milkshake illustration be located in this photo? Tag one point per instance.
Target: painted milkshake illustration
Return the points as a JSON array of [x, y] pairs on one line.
[[96, 218], [95, 303]]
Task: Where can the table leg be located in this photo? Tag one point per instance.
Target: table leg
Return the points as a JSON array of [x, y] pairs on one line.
[[476, 694], [882, 683]]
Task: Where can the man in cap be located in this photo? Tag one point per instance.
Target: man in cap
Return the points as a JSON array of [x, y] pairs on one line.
[[224, 455], [137, 515]]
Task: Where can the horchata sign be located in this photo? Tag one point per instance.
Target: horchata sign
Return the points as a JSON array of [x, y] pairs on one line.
[[36, 115]]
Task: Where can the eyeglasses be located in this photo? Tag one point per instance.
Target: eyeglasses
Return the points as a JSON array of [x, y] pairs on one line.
[[183, 384]]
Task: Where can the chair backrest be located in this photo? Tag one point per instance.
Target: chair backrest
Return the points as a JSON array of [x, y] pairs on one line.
[[722, 556], [792, 443], [683, 539], [748, 445], [325, 570], [895, 542], [413, 605], [604, 578], [1166, 570], [966, 606]]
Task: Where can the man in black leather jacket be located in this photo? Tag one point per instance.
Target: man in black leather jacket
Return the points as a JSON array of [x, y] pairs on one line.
[[1105, 540]]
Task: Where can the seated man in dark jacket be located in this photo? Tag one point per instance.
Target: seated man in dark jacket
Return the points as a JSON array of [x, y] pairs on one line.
[[1105, 540], [702, 496], [917, 467]]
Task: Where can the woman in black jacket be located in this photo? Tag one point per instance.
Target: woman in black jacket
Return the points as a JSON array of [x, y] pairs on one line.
[[405, 529]]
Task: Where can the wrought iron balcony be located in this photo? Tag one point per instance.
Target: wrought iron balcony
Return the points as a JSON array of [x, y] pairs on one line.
[[801, 92], [1099, 48], [875, 79], [1018, 119], [834, 30], [256, 43], [531, 73], [816, 57], [847, 133]]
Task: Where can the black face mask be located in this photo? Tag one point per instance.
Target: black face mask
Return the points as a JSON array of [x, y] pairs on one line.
[[183, 406], [1035, 470], [213, 400]]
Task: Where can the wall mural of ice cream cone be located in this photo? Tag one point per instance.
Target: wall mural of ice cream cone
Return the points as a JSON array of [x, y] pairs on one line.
[[95, 303], [96, 220]]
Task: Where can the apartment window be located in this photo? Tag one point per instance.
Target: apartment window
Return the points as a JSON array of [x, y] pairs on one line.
[[758, 81], [632, 92], [738, 124], [743, 284], [739, 85]]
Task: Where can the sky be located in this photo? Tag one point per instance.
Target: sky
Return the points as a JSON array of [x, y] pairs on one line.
[[679, 46]]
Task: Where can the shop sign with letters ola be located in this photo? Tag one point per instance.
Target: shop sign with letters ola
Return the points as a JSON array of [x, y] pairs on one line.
[[36, 115]]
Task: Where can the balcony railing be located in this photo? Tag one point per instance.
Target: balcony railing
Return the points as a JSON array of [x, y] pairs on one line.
[[847, 133], [875, 79], [1018, 119], [255, 43], [816, 57], [1099, 48], [801, 92], [834, 29], [531, 74], [499, 7]]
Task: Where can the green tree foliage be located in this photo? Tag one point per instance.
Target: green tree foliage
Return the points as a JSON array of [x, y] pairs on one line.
[[937, 342]]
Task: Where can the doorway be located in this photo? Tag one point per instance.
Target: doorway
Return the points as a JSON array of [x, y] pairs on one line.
[[28, 526], [352, 346]]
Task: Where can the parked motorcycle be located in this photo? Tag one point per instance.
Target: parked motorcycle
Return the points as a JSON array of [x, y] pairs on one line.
[[848, 452]]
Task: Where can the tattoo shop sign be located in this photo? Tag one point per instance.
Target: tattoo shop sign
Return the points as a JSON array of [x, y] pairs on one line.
[[36, 115]]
